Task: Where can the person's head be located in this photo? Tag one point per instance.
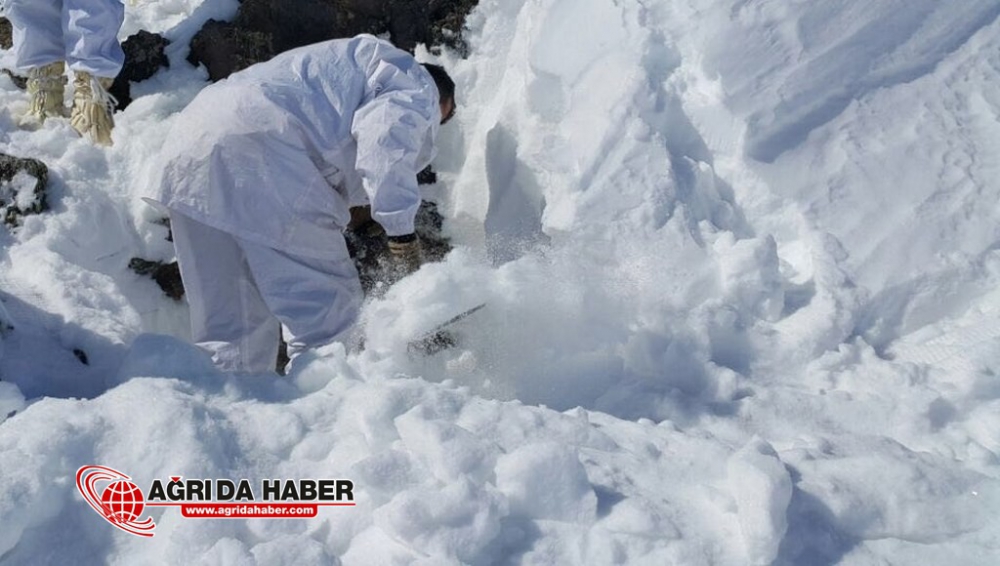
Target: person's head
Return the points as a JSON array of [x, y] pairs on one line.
[[446, 90]]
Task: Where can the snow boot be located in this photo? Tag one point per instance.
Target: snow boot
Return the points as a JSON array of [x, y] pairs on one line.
[[93, 107], [46, 87]]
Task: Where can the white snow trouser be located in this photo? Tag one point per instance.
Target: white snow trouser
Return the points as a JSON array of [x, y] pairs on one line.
[[84, 33], [241, 293]]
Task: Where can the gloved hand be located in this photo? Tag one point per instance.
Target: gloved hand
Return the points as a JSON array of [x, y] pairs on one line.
[[406, 254]]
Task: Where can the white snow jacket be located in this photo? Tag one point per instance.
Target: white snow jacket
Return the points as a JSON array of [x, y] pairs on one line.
[[276, 154]]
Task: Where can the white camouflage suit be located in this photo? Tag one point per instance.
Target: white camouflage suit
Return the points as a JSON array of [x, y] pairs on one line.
[[259, 173], [84, 33]]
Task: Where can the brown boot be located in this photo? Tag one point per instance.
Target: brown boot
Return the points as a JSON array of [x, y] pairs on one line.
[[46, 86], [93, 107]]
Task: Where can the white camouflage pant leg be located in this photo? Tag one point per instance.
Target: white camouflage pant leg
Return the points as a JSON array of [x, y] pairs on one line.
[[238, 292], [229, 318], [84, 33], [91, 35], [317, 300], [37, 32]]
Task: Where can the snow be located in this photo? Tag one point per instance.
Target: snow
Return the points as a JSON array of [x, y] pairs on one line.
[[19, 192], [546, 481], [762, 488], [739, 262]]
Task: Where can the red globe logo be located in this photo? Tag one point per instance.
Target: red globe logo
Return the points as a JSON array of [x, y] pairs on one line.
[[122, 501]]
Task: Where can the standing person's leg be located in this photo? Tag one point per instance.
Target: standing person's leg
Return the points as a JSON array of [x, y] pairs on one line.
[[316, 299], [229, 318], [90, 31], [39, 51], [37, 32], [90, 36]]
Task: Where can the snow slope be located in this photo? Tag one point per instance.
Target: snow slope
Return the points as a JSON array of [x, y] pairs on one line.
[[740, 272]]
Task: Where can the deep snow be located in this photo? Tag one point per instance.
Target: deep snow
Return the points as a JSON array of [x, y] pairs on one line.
[[740, 267]]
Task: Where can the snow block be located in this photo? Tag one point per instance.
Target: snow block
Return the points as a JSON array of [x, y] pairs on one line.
[[762, 488], [547, 481]]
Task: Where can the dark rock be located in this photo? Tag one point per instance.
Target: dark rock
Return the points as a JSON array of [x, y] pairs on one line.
[[82, 356], [225, 49], [166, 275], [409, 23], [294, 23], [6, 34], [21, 82], [436, 342], [264, 28], [448, 24], [13, 202], [281, 364], [143, 266], [145, 55], [6, 42], [427, 176]]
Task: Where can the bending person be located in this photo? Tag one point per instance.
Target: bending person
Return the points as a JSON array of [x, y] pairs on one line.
[[260, 172]]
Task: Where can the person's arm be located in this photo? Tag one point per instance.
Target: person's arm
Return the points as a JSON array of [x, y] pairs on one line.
[[391, 129]]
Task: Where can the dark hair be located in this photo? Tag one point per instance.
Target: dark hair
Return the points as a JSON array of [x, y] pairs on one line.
[[446, 86]]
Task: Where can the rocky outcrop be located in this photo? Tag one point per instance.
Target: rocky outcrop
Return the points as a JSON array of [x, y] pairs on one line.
[[264, 28]]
